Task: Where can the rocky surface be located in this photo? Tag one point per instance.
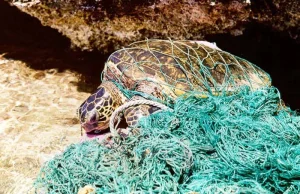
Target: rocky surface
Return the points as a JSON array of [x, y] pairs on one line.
[[43, 81], [37, 120], [110, 24]]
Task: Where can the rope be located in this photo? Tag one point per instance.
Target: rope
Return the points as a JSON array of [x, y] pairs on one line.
[[228, 133], [244, 143], [129, 104]]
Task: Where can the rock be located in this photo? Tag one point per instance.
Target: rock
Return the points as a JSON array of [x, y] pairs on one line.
[[107, 25], [34, 127], [88, 189], [39, 75]]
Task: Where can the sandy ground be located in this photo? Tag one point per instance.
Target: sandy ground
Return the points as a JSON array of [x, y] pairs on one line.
[[37, 121]]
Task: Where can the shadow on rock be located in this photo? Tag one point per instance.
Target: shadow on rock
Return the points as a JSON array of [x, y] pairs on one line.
[[275, 52], [24, 38]]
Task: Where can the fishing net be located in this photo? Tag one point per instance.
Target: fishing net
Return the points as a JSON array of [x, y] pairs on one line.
[[229, 133], [244, 143], [180, 67]]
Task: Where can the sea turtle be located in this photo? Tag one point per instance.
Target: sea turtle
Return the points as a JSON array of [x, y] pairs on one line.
[[164, 69]]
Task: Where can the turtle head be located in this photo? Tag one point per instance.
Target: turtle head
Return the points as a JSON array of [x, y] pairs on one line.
[[94, 113]]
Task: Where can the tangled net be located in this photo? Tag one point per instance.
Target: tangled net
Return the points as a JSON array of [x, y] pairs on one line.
[[180, 67], [244, 143], [229, 133]]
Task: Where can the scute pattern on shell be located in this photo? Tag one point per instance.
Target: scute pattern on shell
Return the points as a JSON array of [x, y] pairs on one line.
[[182, 66]]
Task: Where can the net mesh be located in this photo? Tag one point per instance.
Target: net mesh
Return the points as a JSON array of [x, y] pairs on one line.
[[180, 67], [244, 143], [242, 140]]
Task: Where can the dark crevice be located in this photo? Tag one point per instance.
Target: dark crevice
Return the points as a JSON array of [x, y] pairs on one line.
[[274, 52], [266, 5], [24, 38]]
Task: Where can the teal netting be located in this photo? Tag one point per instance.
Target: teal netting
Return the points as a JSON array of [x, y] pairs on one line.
[[243, 143], [180, 67]]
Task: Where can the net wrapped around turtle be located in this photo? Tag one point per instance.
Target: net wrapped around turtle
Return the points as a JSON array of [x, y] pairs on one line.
[[230, 135]]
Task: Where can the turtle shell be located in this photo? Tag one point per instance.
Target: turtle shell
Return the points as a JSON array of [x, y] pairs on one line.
[[182, 66]]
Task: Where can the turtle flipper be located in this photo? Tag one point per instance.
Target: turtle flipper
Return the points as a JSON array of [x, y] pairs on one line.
[[134, 113]]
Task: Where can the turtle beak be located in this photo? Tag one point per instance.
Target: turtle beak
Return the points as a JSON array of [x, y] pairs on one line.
[[89, 127], [92, 127], [92, 132], [90, 123]]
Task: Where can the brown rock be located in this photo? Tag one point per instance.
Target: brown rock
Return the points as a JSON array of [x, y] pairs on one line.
[[88, 189], [39, 75], [110, 24], [4, 116]]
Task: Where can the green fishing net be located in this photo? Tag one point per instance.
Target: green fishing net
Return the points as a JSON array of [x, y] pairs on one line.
[[174, 68], [228, 133], [247, 142]]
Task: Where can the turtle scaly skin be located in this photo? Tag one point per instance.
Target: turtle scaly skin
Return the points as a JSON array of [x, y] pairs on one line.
[[166, 69], [95, 111]]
